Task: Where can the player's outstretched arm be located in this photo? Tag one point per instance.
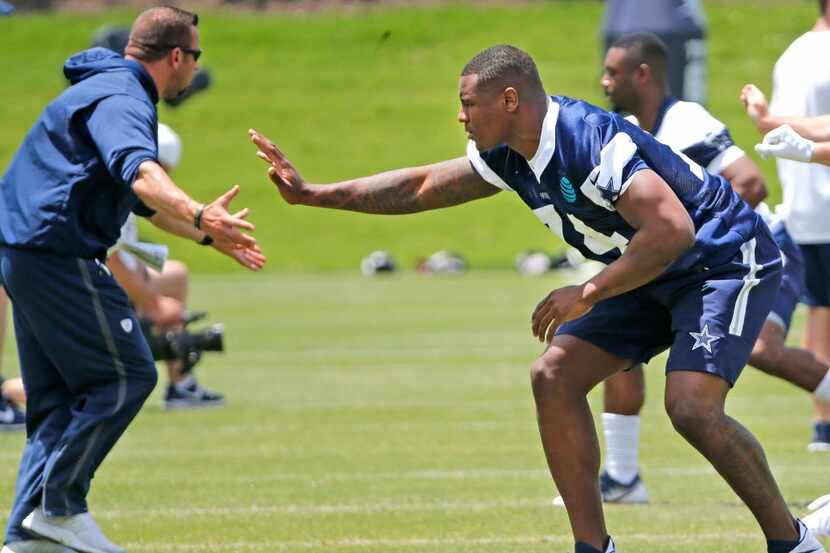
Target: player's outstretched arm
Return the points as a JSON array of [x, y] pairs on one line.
[[157, 190], [402, 191]]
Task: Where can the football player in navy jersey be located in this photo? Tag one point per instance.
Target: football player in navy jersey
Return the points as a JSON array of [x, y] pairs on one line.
[[635, 80], [690, 268]]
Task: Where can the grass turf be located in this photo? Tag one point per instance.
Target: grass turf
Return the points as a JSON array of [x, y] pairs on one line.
[[394, 414]]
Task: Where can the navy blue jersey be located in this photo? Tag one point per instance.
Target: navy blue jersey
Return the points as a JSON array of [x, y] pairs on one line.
[[68, 189], [585, 162]]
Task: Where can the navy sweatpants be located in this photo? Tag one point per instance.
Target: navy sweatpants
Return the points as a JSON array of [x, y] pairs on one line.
[[86, 368]]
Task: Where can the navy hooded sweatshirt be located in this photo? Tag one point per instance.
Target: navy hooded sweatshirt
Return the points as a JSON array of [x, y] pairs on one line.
[[68, 189]]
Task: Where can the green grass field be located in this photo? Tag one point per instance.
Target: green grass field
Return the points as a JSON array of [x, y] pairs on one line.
[[394, 414], [343, 101]]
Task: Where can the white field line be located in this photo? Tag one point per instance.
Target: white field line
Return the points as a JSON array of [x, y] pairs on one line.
[[312, 509], [403, 543]]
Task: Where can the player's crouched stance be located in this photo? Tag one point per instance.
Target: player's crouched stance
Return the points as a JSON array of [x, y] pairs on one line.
[[689, 267]]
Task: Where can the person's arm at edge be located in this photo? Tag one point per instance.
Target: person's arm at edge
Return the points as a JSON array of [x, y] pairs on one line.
[[746, 179], [757, 108], [409, 190], [821, 153]]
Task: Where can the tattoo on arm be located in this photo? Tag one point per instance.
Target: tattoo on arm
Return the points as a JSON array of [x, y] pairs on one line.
[[408, 190]]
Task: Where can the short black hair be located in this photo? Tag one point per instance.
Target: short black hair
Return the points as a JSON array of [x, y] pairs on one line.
[[645, 48], [499, 64], [159, 29]]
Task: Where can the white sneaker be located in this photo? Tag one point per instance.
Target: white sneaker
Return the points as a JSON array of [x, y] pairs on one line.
[[78, 532], [819, 519], [614, 491], [807, 542], [35, 546], [611, 547]]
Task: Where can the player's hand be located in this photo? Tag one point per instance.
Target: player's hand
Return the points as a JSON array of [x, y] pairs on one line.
[[291, 185], [755, 103], [167, 313], [561, 305], [785, 143], [221, 225]]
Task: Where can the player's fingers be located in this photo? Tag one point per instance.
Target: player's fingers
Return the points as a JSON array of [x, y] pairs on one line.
[[541, 321], [554, 326], [242, 213], [264, 157]]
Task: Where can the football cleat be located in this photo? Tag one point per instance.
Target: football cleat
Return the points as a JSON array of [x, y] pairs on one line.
[[613, 491], [191, 396], [821, 437], [807, 542], [819, 519], [79, 532]]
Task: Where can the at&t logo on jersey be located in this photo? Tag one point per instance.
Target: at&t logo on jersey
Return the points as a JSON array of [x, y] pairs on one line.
[[568, 191]]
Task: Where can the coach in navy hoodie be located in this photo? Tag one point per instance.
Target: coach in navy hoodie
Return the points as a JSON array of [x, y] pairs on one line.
[[88, 161]]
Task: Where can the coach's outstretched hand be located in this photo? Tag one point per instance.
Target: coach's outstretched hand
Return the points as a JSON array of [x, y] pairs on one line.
[[220, 225], [291, 185], [561, 305], [250, 257]]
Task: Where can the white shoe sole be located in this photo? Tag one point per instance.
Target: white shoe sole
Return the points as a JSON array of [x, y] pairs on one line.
[[818, 447], [35, 546], [183, 405], [60, 535]]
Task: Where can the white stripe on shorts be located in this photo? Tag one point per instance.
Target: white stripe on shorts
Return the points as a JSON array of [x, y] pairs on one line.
[[736, 327]]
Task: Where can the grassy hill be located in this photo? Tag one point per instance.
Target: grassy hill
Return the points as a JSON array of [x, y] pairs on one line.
[[352, 92]]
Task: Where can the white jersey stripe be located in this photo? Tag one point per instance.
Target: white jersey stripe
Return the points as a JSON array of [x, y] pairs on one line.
[[736, 327], [483, 169]]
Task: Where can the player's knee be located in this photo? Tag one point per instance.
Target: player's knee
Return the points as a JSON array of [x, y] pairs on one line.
[[691, 416], [176, 272], [142, 382], [548, 375]]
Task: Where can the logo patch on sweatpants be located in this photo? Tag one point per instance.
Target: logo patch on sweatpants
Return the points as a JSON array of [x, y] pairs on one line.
[[127, 325]]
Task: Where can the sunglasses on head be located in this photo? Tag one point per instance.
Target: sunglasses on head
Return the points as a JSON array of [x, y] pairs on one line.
[[195, 53]]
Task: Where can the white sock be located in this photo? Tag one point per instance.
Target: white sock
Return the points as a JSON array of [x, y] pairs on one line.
[[622, 442], [822, 391]]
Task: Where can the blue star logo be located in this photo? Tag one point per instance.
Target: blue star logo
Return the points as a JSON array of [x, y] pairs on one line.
[[703, 339]]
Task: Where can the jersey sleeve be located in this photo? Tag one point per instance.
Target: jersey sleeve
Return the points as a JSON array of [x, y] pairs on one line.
[[488, 164], [618, 162], [715, 152], [123, 129]]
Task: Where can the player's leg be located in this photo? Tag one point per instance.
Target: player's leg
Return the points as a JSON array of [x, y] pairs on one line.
[[717, 322], [795, 365], [623, 398], [817, 332], [817, 340], [614, 335], [695, 404], [562, 378]]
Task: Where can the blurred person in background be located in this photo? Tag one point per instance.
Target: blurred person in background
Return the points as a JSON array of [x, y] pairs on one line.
[[680, 24], [89, 160], [801, 89], [809, 144], [635, 80], [12, 396], [161, 296]]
